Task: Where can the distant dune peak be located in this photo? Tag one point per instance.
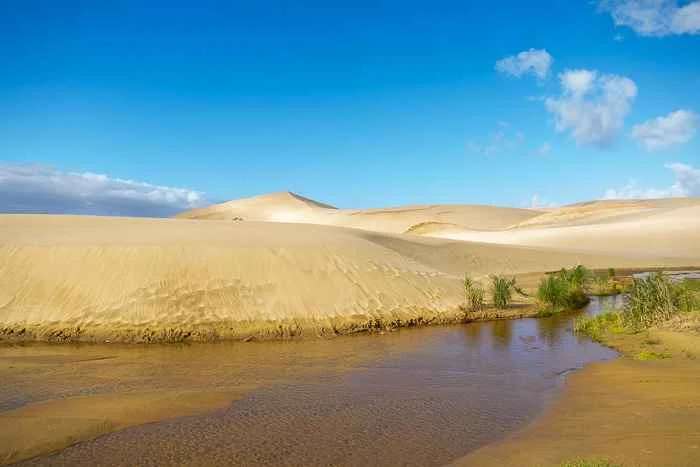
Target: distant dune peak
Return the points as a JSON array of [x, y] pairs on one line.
[[279, 198], [281, 206]]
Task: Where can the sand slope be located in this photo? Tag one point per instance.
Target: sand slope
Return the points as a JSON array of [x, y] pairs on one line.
[[671, 230], [656, 227], [128, 278]]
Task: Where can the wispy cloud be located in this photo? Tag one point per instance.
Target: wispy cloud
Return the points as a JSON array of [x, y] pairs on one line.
[[43, 189], [687, 184], [592, 106], [676, 128], [502, 140], [538, 202], [534, 61], [655, 17], [545, 149]]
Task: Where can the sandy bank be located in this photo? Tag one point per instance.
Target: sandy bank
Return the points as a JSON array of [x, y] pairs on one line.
[[627, 412]]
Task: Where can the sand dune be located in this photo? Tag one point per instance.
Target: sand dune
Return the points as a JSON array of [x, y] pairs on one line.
[[667, 231], [275, 207], [290, 207], [142, 279]]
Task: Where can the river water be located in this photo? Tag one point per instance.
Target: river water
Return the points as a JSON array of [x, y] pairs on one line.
[[414, 397]]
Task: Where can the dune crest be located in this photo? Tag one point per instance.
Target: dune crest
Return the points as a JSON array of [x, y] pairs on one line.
[[291, 207]]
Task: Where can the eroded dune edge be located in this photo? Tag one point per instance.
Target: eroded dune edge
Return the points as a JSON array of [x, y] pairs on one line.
[[68, 278]]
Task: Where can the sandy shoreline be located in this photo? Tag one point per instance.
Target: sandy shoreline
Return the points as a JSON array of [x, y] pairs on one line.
[[627, 412], [253, 332]]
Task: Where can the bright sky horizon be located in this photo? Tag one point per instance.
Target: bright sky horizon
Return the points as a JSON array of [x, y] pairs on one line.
[[153, 107]]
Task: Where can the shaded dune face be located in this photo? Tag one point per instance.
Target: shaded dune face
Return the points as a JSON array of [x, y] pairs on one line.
[[142, 279]]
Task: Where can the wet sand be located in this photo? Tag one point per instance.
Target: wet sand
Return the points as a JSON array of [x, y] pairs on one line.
[[413, 397], [628, 412]]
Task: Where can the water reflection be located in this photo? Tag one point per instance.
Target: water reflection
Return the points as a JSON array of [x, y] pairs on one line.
[[415, 397], [533, 333]]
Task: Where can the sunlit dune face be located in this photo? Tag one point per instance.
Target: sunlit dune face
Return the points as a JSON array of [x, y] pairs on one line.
[[286, 216]]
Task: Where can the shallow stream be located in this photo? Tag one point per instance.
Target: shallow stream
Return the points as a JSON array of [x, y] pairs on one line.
[[414, 397]]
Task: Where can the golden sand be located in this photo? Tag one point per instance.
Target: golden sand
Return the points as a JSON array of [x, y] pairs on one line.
[[128, 279]]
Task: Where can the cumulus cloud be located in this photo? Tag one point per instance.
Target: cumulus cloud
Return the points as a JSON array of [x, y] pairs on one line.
[[592, 106], [655, 17], [43, 189], [535, 61], [503, 139], [687, 184], [678, 127]]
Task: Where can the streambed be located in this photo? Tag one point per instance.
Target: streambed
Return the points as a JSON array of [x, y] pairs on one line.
[[421, 396]]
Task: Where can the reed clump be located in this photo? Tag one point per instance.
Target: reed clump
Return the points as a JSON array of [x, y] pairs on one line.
[[652, 301], [501, 290], [474, 295], [655, 299], [565, 290]]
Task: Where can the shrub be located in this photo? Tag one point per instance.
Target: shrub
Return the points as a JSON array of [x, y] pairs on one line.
[[564, 290], [577, 299], [577, 277], [502, 290], [474, 295]]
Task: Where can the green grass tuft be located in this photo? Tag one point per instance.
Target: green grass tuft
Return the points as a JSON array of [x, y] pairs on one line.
[[502, 290], [596, 326], [589, 463], [474, 295], [646, 355]]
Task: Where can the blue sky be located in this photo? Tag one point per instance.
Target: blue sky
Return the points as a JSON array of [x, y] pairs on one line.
[[357, 104]]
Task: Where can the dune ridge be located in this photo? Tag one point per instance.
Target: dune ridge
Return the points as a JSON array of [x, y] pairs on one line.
[[291, 207]]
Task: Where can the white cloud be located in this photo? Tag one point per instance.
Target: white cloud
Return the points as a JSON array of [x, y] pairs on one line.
[[43, 189], [687, 184], [537, 202], [578, 82], [592, 106], [500, 141], [655, 17], [618, 37], [535, 61], [545, 149], [678, 127]]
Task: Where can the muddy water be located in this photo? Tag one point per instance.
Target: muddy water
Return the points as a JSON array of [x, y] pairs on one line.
[[414, 397]]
